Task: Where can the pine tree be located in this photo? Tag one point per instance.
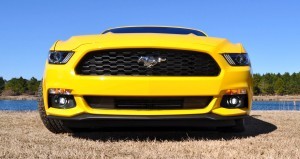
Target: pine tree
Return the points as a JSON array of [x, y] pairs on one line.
[[2, 84]]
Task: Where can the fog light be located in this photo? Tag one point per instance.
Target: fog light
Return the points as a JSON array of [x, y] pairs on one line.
[[235, 101], [61, 101]]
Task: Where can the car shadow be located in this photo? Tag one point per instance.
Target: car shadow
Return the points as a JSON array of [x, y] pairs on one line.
[[254, 127]]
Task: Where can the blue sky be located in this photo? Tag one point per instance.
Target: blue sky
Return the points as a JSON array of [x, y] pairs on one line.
[[268, 29]]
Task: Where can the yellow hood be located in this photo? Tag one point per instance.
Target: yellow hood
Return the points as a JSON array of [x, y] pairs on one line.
[[147, 40]]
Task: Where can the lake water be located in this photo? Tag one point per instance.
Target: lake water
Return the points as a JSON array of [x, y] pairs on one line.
[[18, 105], [31, 105]]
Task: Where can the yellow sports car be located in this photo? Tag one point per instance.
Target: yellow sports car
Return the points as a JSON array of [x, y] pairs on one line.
[[146, 76]]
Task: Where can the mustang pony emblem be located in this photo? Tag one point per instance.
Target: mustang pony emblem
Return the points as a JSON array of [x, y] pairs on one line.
[[150, 61]]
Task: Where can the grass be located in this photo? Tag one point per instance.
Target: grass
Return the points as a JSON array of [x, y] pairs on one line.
[[270, 134]]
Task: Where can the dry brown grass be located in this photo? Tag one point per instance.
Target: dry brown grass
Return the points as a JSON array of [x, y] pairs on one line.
[[270, 134]]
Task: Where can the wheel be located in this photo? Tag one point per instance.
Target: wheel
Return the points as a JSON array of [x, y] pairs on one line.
[[53, 125], [238, 127]]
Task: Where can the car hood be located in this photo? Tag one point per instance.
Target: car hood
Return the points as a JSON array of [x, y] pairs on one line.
[[137, 40]]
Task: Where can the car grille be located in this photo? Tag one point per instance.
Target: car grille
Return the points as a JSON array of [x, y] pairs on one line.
[[125, 62], [147, 102]]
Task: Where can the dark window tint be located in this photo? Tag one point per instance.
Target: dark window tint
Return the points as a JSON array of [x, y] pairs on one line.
[[163, 30]]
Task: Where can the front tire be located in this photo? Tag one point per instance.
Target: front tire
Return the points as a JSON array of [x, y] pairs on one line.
[[54, 125]]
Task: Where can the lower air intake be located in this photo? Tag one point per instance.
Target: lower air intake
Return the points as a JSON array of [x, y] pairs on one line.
[[148, 102]]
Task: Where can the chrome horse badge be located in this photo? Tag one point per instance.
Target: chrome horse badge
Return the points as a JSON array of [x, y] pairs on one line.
[[150, 61]]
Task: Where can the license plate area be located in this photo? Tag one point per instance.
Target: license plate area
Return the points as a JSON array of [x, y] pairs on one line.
[[149, 103]]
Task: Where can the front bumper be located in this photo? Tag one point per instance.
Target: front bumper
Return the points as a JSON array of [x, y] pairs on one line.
[[148, 86]]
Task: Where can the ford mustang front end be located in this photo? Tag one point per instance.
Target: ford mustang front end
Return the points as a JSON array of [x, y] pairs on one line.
[[146, 76]]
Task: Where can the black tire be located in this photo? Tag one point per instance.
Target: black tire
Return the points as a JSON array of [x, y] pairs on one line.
[[54, 125], [238, 127]]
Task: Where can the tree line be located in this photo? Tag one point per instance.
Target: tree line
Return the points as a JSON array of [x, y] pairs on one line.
[[276, 84], [265, 84], [18, 86]]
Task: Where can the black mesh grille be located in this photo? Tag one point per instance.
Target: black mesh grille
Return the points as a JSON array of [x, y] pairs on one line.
[[125, 62], [148, 102]]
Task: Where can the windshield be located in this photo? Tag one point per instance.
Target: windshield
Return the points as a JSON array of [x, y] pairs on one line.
[[162, 30]]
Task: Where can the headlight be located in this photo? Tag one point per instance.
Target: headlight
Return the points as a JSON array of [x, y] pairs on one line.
[[237, 59], [59, 57]]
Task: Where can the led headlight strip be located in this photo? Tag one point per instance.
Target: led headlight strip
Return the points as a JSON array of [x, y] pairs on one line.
[[229, 60], [237, 59], [59, 57]]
